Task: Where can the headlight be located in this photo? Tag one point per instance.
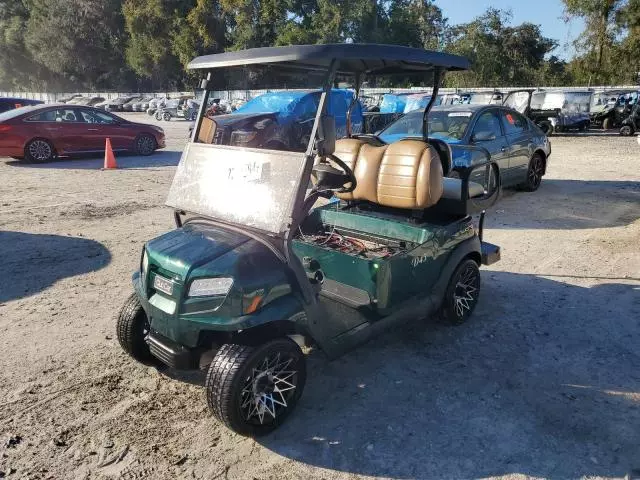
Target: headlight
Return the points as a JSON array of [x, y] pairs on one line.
[[145, 263], [205, 287], [242, 137]]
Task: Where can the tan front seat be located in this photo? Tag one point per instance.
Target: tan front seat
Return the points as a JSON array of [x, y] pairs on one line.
[[404, 174]]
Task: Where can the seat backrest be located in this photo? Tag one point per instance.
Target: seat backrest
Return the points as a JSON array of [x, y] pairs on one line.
[[405, 174]]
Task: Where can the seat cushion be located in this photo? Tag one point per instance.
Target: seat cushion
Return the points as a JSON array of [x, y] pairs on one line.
[[453, 189], [404, 174], [410, 175]]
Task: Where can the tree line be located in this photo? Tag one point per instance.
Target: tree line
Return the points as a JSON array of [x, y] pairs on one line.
[[144, 45]]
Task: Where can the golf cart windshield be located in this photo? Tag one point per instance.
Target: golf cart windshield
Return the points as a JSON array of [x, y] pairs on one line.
[[250, 187], [563, 101], [263, 188], [517, 100]]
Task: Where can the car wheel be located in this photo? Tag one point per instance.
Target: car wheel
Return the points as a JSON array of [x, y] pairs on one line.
[[145, 144], [534, 174], [166, 116], [132, 329], [626, 131], [39, 150], [606, 124], [462, 293], [253, 389]]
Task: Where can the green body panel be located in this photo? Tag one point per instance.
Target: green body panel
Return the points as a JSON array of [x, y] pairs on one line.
[[200, 250], [204, 251], [392, 280]]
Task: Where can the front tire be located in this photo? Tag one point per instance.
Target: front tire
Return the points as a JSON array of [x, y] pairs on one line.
[[132, 328], [461, 296], [38, 150], [251, 389], [534, 174], [145, 145], [166, 117], [607, 124]]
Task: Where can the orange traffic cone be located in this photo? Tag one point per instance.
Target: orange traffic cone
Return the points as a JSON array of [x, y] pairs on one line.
[[109, 158]]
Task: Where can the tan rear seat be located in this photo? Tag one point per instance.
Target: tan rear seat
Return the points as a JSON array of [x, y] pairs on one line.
[[404, 174]]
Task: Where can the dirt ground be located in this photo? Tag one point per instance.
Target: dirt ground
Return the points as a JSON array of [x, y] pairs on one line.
[[543, 382]]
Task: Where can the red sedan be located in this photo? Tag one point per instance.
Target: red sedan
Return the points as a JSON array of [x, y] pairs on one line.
[[40, 133]]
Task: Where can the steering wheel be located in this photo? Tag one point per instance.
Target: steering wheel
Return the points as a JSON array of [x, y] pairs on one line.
[[348, 172], [351, 178]]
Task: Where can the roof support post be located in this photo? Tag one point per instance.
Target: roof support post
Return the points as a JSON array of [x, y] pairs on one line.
[[299, 212], [438, 75], [203, 106], [354, 102]]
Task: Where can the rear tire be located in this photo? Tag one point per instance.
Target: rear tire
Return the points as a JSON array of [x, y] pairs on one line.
[[461, 296], [132, 328], [251, 389], [607, 124], [534, 174], [166, 117], [626, 131], [38, 150]]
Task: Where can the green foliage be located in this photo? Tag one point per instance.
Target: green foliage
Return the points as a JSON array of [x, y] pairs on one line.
[[608, 48], [146, 44]]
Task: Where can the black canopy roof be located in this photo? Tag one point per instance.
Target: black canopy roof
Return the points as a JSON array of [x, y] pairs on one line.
[[373, 59]]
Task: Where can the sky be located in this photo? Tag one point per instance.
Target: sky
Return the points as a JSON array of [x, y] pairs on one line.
[[546, 13]]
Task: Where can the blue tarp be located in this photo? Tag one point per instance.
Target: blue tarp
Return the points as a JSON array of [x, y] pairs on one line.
[[392, 103], [302, 105]]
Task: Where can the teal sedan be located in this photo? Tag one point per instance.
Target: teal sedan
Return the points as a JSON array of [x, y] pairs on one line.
[[516, 145]]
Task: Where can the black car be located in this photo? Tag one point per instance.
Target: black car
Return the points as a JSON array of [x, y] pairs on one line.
[[9, 103], [516, 145]]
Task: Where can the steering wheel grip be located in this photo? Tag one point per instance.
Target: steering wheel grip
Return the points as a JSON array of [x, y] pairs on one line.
[[347, 170]]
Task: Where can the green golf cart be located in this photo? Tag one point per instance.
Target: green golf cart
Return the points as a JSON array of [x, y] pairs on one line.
[[278, 252]]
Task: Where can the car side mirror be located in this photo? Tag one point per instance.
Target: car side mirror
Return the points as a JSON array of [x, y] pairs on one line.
[[483, 137], [326, 143]]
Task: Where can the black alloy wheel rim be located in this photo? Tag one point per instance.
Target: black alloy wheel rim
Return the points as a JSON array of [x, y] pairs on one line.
[[269, 388], [535, 172], [466, 291]]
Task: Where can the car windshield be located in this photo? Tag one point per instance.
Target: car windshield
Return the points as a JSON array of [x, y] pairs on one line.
[[443, 124], [9, 114]]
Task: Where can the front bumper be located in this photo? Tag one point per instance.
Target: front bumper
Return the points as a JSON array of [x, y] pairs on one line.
[[489, 253], [172, 353]]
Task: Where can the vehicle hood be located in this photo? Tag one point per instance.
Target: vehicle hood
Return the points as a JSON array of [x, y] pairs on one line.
[[237, 119], [191, 247]]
